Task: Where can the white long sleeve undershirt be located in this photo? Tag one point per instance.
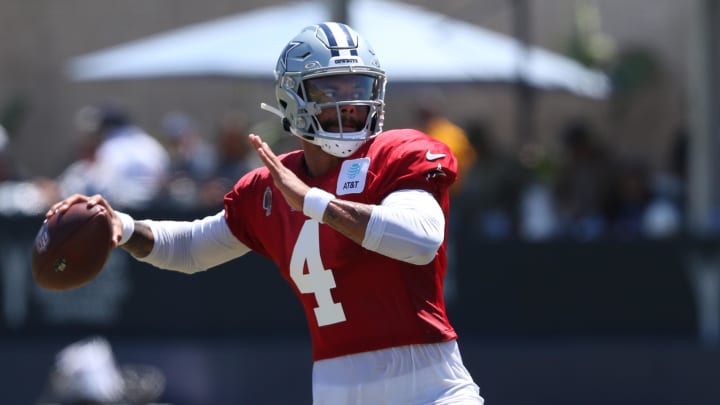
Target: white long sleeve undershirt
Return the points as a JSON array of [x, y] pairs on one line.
[[408, 225]]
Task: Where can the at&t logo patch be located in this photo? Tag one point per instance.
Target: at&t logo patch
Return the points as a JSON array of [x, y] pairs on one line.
[[353, 174]]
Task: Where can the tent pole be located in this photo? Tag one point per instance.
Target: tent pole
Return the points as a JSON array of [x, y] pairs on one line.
[[704, 180], [524, 93], [338, 10]]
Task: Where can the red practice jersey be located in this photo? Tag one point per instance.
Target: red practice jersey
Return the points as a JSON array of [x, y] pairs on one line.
[[355, 300]]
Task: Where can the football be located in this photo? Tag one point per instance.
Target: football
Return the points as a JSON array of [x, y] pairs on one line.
[[71, 248]]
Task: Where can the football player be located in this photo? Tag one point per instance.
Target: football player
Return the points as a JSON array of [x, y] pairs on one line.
[[355, 221]]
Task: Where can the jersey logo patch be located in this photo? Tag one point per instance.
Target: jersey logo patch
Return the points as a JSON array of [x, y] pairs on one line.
[[352, 176], [438, 171], [267, 201], [434, 156]]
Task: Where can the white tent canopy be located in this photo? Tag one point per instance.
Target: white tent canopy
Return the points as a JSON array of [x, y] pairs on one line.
[[413, 44]]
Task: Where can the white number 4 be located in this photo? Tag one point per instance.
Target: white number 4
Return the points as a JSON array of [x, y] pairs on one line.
[[318, 280]]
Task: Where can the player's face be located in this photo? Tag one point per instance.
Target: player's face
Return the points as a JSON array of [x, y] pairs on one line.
[[342, 88]]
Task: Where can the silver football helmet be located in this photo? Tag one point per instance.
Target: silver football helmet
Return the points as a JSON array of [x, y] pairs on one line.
[[323, 73]]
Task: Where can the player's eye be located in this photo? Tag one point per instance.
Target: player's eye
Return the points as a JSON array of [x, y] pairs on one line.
[[318, 94], [359, 94], [330, 94]]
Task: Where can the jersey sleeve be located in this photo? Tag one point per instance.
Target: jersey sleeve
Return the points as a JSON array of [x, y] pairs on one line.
[[243, 208], [410, 159]]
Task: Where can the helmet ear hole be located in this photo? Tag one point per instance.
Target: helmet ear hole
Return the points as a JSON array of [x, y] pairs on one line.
[[286, 124]]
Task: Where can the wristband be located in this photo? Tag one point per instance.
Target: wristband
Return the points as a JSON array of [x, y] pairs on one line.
[[316, 202], [128, 226]]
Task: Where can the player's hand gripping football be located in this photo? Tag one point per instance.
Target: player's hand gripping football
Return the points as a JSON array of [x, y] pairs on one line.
[[91, 201], [291, 187]]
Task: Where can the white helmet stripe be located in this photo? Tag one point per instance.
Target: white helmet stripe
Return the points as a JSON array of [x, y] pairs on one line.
[[339, 36]]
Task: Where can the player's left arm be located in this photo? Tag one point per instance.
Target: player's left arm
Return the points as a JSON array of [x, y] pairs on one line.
[[408, 225]]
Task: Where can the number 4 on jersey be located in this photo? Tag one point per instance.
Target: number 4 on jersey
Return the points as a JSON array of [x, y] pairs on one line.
[[318, 280]]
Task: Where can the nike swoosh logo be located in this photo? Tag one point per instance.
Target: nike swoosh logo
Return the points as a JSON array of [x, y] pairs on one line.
[[434, 156]]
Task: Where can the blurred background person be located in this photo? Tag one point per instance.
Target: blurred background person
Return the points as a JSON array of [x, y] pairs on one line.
[[233, 159], [538, 218], [192, 159], [117, 159], [582, 183], [629, 200], [81, 174], [668, 214], [434, 123], [20, 193], [86, 372], [489, 201]]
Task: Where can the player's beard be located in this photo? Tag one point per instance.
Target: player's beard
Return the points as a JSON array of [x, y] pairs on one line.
[[349, 123]]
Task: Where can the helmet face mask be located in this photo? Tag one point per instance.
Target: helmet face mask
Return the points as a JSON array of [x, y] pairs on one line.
[[330, 88]]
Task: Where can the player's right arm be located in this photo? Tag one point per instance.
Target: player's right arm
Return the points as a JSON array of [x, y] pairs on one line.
[[141, 242], [185, 246]]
